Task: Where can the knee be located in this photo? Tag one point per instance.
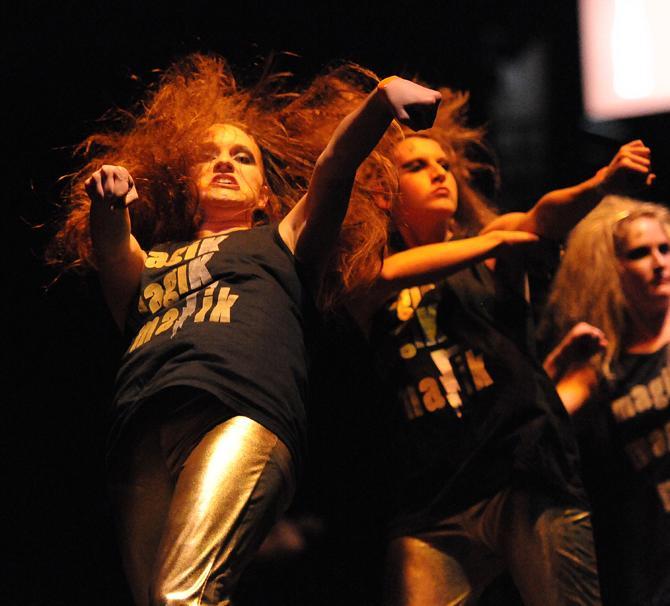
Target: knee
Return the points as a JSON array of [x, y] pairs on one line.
[[211, 594], [158, 596]]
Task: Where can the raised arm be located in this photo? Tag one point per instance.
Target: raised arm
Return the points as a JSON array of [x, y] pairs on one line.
[[568, 365], [558, 211], [312, 227], [118, 255]]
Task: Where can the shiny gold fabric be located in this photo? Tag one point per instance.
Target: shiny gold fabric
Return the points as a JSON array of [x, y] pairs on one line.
[[547, 548], [185, 542]]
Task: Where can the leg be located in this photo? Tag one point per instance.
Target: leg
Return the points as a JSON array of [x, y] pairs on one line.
[[140, 491], [420, 574], [549, 551], [232, 488]]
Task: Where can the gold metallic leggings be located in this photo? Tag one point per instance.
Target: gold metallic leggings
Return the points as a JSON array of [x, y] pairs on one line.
[[185, 536], [546, 547]]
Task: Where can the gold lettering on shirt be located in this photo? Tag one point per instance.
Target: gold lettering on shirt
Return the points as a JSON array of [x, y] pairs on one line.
[[413, 407], [145, 333], [177, 256], [206, 302], [171, 295], [221, 312], [156, 259], [154, 294], [167, 320], [211, 244], [623, 408], [198, 274], [432, 398]]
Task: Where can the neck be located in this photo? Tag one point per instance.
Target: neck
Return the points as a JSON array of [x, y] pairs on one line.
[[210, 228], [414, 236], [649, 331]]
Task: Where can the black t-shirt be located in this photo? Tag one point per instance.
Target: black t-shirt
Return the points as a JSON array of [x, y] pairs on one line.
[[224, 314], [624, 437], [473, 409]]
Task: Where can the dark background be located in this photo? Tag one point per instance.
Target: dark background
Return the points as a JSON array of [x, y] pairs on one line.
[[65, 65]]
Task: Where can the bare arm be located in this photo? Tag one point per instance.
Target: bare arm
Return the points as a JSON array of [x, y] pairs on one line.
[[568, 365], [576, 388], [433, 261], [118, 255], [558, 211], [312, 227]]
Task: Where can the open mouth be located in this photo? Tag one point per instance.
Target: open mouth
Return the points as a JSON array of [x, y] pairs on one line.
[[227, 181]]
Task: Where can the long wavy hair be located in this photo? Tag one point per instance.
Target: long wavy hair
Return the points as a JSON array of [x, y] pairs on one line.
[[368, 233], [469, 158], [158, 141], [587, 286]]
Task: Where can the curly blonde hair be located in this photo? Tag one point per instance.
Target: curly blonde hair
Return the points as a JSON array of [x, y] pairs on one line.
[[587, 286]]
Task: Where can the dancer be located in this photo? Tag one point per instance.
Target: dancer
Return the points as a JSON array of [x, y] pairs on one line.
[[486, 467], [611, 300], [210, 397]]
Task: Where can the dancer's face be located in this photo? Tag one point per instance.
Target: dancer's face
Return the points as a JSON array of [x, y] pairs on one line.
[[229, 172], [428, 190], [644, 262]]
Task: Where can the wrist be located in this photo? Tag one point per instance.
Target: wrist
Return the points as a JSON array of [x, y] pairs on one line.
[[385, 82], [380, 95], [599, 185]]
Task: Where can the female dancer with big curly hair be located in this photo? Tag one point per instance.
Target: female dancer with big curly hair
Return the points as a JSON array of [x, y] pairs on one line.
[[610, 304], [210, 397], [485, 464]]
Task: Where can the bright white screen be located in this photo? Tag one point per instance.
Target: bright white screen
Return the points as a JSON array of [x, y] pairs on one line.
[[625, 51]]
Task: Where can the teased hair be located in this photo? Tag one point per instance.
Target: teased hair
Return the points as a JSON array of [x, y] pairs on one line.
[[157, 143], [359, 252], [587, 286], [367, 229], [464, 146]]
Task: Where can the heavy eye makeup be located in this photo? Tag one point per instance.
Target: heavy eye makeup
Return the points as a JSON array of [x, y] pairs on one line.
[[414, 166], [206, 152], [243, 155], [640, 252]]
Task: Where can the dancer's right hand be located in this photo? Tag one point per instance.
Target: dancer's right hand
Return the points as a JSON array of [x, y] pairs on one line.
[[112, 184], [411, 104]]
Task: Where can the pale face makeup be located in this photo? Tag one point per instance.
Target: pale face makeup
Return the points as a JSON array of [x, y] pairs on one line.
[[644, 265], [229, 175]]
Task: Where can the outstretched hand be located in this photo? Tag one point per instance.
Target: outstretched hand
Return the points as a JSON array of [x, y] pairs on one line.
[[411, 104], [629, 171], [112, 184], [576, 348]]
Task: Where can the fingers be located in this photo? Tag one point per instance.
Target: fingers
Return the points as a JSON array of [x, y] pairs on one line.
[[410, 103], [112, 184], [634, 155], [421, 117], [93, 186], [586, 336], [512, 237], [629, 170], [521, 237]]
